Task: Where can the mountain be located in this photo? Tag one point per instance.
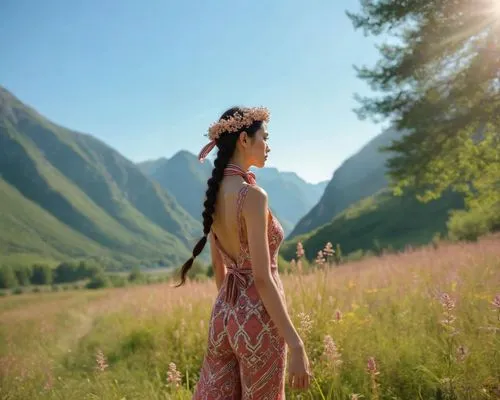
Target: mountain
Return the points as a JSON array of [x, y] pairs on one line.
[[361, 175], [359, 212], [149, 167], [185, 178], [67, 194], [290, 195], [380, 221]]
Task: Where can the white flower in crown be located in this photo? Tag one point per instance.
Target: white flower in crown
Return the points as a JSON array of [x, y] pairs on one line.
[[238, 121]]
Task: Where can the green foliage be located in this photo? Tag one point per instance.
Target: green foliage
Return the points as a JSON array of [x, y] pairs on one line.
[[439, 79], [23, 274], [67, 195], [136, 275], [42, 275], [99, 281], [380, 222], [7, 277], [470, 225]]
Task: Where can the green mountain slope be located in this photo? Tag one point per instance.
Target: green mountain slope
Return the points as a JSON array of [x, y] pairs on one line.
[[382, 221], [90, 188], [28, 228], [185, 178], [150, 166], [361, 175], [290, 195]]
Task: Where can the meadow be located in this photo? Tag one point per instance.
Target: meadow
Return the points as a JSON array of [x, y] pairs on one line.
[[420, 324]]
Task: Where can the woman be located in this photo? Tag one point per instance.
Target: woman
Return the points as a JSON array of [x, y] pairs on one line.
[[250, 328]]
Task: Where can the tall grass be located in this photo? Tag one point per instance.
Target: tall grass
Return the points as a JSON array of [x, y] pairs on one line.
[[424, 324]]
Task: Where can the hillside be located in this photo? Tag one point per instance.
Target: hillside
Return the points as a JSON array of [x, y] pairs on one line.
[[149, 167], [185, 178], [289, 194], [379, 221], [361, 175], [72, 180]]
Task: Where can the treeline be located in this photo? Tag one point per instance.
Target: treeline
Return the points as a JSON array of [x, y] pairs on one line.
[[42, 274], [84, 274]]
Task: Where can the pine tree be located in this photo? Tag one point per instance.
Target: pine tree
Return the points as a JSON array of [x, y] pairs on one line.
[[440, 82]]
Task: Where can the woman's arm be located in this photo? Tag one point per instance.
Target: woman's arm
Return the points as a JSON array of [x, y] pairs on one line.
[[255, 212], [217, 263]]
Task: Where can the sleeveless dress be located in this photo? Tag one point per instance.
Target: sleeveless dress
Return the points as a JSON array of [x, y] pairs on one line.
[[246, 355]]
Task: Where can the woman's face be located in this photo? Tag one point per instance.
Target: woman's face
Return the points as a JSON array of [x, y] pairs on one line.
[[258, 149]]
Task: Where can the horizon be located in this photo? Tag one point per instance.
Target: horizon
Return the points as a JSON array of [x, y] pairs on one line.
[[141, 79]]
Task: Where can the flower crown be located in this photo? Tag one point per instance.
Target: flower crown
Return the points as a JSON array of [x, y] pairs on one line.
[[234, 123], [238, 121]]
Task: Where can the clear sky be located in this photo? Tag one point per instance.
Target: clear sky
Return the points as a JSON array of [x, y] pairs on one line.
[[148, 77]]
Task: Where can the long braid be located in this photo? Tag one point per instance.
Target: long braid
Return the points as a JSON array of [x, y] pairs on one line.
[[227, 146], [224, 154]]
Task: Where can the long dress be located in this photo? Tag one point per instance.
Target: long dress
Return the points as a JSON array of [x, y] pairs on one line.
[[246, 355]]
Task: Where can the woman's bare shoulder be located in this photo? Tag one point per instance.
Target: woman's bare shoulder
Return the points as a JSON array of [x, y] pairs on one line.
[[256, 200]]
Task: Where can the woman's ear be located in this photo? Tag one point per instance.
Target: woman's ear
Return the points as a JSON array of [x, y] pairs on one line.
[[244, 139]]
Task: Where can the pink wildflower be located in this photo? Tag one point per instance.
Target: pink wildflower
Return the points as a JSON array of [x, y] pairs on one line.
[[328, 250], [372, 366], [173, 376], [447, 302], [320, 259], [496, 301], [101, 361], [332, 353], [300, 250]]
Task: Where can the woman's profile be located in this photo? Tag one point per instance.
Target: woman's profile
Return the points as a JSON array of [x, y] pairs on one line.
[[250, 331]]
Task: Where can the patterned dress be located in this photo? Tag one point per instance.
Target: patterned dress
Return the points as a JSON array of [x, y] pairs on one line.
[[246, 355]]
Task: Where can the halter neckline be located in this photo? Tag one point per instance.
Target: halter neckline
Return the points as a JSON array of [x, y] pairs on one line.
[[233, 169]]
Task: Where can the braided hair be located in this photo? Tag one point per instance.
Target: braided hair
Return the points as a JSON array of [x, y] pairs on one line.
[[226, 145]]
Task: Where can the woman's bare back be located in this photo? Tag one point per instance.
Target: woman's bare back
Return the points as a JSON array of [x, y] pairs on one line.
[[225, 223]]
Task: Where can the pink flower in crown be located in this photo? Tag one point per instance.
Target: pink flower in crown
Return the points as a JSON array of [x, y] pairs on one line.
[[238, 121]]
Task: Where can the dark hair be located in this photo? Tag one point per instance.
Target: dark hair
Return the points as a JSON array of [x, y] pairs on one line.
[[226, 143]]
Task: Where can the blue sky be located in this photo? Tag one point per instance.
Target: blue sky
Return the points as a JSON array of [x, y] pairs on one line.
[[148, 77]]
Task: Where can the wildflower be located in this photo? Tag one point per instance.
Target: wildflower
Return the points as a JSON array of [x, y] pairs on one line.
[[338, 315], [300, 250], [320, 259], [328, 252], [496, 301], [447, 302], [372, 370], [448, 305], [372, 366], [305, 323], [332, 353], [101, 361], [173, 376]]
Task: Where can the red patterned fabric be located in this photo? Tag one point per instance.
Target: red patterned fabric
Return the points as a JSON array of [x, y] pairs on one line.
[[246, 355]]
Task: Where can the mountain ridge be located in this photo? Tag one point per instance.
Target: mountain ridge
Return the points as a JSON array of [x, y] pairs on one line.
[[89, 187]]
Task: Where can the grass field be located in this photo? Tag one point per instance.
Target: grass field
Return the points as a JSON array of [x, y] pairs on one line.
[[424, 324]]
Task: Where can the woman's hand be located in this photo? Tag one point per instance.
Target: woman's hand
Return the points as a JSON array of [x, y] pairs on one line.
[[298, 369]]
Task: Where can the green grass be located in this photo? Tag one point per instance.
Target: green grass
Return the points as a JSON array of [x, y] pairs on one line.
[[51, 344]]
